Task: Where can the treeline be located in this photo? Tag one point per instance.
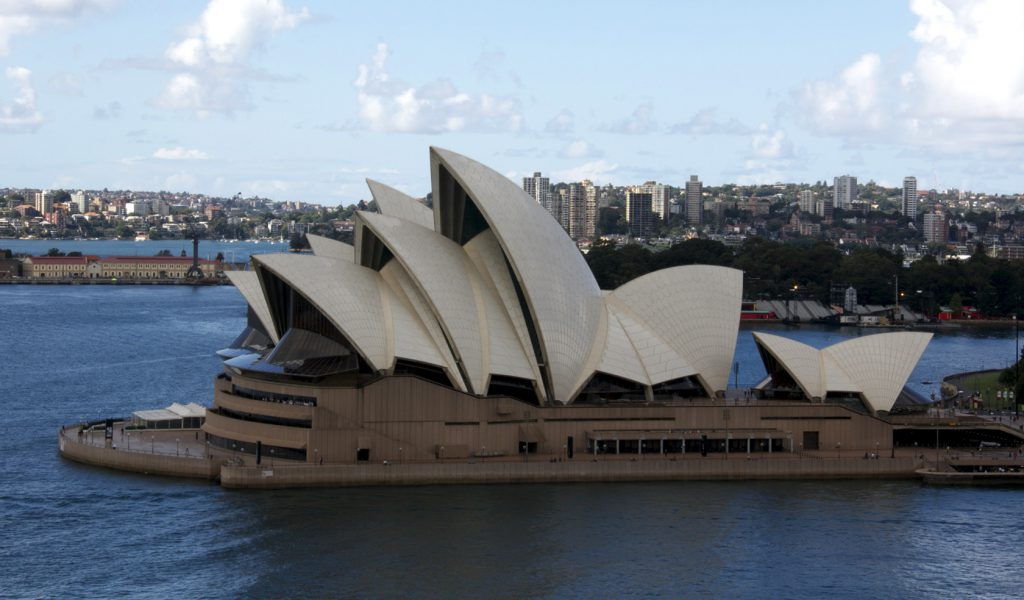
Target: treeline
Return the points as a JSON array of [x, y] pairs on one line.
[[775, 270]]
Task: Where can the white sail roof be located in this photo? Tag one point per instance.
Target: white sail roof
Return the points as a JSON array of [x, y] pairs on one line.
[[563, 298], [874, 366], [394, 203], [328, 248], [248, 284]]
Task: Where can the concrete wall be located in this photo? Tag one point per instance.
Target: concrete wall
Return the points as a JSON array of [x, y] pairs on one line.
[[570, 471], [139, 462]]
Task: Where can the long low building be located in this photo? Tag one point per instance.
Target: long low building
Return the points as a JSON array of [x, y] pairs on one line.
[[475, 329], [110, 267]]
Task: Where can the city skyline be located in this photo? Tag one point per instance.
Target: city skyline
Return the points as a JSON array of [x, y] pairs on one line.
[[300, 101]]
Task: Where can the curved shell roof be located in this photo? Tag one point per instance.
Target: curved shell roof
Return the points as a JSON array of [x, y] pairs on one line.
[[695, 310], [563, 297], [248, 284], [328, 248], [394, 203], [468, 309], [364, 309], [875, 366]]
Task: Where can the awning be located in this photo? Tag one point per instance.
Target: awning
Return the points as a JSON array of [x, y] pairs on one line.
[[187, 410], [159, 414]]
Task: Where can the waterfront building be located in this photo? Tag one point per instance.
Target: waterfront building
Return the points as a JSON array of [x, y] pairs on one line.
[[805, 200], [476, 330], [693, 201], [844, 192], [539, 188], [115, 267], [638, 213], [659, 198], [935, 227], [909, 199]]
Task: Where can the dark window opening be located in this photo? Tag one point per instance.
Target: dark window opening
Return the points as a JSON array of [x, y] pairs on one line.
[[810, 440], [363, 454], [684, 387], [253, 394], [604, 388], [255, 418], [527, 447], [373, 252], [531, 328], [461, 220], [515, 387], [267, 451], [423, 371], [850, 400]]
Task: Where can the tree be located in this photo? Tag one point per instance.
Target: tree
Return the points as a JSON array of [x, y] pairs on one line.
[[183, 253], [298, 242], [163, 253], [54, 252], [220, 257]]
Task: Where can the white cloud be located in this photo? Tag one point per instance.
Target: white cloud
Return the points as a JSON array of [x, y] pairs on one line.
[[21, 17], [21, 114], [851, 104], [964, 89], [598, 171], [766, 143], [213, 56], [579, 149], [179, 153], [703, 122], [111, 111], [563, 123], [639, 123], [387, 104]]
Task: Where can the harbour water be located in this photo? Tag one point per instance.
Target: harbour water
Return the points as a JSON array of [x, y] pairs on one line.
[[84, 352]]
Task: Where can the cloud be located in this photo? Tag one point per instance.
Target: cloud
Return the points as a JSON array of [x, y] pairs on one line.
[[563, 123], [771, 157], [639, 123], [179, 153], [597, 171], [703, 122], [851, 104], [579, 149], [21, 17], [110, 111], [212, 59], [963, 90], [387, 104], [20, 114]]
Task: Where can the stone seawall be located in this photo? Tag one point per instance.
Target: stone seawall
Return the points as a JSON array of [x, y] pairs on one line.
[[138, 462], [563, 472]]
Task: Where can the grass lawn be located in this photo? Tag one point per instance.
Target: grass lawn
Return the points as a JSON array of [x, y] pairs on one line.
[[986, 384]]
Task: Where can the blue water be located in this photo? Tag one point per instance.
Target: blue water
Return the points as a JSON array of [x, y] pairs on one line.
[[71, 353], [233, 251]]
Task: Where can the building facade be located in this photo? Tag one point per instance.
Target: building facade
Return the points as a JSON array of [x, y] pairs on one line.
[[805, 201], [693, 201], [844, 192], [935, 227], [539, 188], [115, 267], [639, 214], [909, 199]]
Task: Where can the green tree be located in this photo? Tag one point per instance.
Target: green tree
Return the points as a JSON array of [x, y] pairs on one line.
[[54, 252]]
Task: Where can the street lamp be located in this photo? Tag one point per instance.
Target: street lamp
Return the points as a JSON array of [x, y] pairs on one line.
[[177, 441]]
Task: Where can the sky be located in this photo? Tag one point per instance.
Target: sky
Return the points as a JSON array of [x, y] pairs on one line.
[[296, 100]]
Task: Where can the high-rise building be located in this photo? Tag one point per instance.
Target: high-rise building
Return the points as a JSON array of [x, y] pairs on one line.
[[540, 188], [590, 220], [935, 228], [638, 213], [43, 202], [80, 202], [659, 198], [694, 201], [844, 192], [823, 208], [909, 207], [806, 201]]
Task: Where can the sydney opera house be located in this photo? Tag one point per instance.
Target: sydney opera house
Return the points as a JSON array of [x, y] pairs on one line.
[[475, 330]]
